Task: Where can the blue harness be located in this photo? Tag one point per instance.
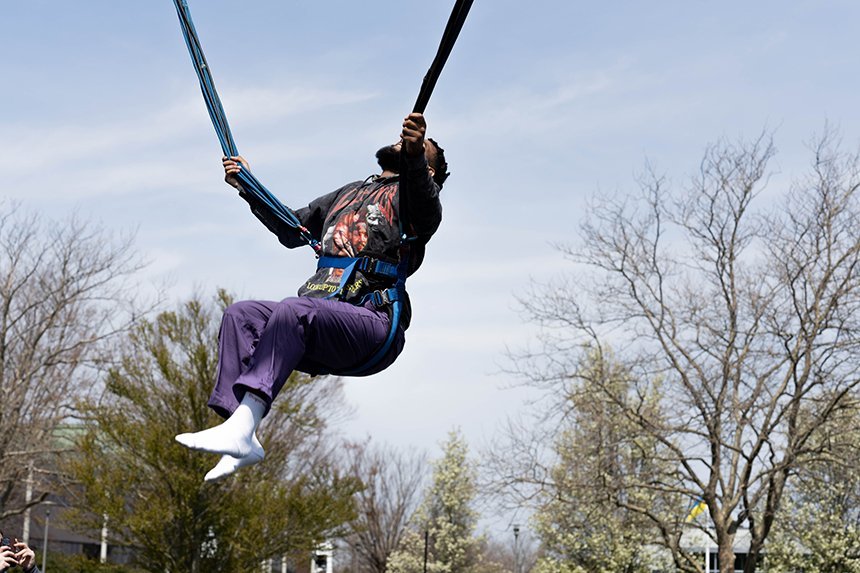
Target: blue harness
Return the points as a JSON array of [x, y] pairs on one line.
[[392, 297]]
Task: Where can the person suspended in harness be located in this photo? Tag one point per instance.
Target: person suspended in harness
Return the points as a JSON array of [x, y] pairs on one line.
[[372, 234]]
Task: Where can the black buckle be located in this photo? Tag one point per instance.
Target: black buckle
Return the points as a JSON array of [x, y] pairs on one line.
[[381, 297]]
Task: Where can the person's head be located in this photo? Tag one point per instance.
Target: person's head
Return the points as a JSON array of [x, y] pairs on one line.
[[388, 158], [436, 160]]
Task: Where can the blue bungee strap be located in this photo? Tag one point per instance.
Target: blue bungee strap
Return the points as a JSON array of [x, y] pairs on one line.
[[219, 121]]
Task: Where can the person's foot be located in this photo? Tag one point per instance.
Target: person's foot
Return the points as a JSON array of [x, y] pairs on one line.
[[234, 437], [229, 464], [222, 439]]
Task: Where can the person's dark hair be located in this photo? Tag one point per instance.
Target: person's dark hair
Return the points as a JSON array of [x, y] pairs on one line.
[[441, 167]]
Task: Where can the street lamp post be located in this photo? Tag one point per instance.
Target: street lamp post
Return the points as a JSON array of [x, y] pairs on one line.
[[516, 548], [426, 547], [45, 541]]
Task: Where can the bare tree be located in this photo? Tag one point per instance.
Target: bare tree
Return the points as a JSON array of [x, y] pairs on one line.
[[747, 317], [392, 491], [65, 291]]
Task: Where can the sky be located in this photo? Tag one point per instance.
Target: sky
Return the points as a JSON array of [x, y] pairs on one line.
[[544, 106]]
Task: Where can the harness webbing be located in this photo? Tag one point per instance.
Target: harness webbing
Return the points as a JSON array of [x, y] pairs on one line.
[[219, 121], [349, 265]]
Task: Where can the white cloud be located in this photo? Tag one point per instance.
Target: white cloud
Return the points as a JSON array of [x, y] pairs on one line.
[[84, 159]]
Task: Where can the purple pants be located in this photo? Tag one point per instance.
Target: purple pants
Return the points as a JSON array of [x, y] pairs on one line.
[[262, 342]]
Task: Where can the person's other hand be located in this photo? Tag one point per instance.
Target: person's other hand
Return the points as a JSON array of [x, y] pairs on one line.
[[231, 169], [26, 557], [7, 558]]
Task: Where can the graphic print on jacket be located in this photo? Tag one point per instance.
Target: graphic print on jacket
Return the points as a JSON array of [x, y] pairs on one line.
[[363, 221]]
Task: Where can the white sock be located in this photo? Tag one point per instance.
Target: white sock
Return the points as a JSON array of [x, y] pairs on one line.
[[228, 464], [234, 436]]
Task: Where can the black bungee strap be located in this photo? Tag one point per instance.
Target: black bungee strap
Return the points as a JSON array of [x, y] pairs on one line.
[[449, 38], [452, 31]]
